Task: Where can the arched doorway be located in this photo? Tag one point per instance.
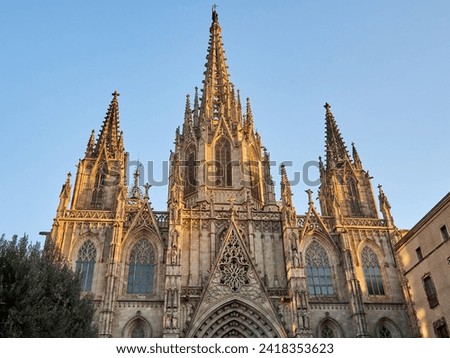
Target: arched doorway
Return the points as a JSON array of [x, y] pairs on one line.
[[236, 319]]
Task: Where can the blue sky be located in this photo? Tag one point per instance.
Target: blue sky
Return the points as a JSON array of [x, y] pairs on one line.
[[382, 65]]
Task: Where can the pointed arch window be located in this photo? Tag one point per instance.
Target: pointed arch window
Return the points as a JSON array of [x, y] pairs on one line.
[[372, 272], [138, 331], [85, 264], [318, 271], [254, 175], [327, 332], [138, 327], [385, 328], [384, 332], [329, 328], [353, 194], [141, 268], [190, 168], [223, 163], [99, 186]]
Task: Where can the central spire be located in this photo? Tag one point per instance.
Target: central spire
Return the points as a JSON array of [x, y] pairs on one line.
[[336, 150], [217, 90], [109, 134]]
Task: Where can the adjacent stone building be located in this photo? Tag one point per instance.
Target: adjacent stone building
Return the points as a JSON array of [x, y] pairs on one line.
[[226, 259], [425, 256]]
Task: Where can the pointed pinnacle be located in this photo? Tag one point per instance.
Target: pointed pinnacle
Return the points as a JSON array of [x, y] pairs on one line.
[[356, 158], [310, 198], [249, 114], [91, 144]]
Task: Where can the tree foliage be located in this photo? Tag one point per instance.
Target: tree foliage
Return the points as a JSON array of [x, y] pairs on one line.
[[39, 295]]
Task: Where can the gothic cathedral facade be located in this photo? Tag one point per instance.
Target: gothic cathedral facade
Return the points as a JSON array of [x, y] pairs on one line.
[[227, 259]]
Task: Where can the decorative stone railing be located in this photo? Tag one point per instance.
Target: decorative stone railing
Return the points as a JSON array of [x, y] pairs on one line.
[[162, 217], [89, 214], [364, 222]]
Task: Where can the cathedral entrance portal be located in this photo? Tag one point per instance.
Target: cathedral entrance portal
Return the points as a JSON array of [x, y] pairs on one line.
[[235, 319]]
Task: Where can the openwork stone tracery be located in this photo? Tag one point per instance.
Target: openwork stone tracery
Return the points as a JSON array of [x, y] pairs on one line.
[[234, 265]]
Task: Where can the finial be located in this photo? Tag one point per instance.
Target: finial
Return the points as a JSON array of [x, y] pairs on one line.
[[147, 186], [310, 198], [327, 107], [215, 17], [135, 192], [115, 94], [136, 176], [232, 208]]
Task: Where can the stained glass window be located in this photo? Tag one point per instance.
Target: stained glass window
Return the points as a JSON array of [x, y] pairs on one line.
[[99, 186], [327, 332], [141, 268], [354, 197], [372, 272], [318, 271], [85, 263], [190, 167], [254, 175], [384, 332], [223, 163], [138, 330]]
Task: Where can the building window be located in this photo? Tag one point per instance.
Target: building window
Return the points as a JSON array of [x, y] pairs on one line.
[[384, 332], [372, 272], [419, 254], [444, 233], [327, 332], [430, 291], [318, 271], [190, 167], [223, 163], [141, 268], [99, 186], [85, 264], [440, 328], [354, 197], [254, 175], [328, 328]]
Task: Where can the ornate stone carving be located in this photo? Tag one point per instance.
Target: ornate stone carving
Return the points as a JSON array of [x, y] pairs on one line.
[[234, 265]]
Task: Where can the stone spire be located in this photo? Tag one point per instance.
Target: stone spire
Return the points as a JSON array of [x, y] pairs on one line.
[[216, 85], [187, 126], [90, 148], [64, 196], [109, 134], [286, 191], [385, 207], [336, 151], [196, 113], [248, 118], [356, 160]]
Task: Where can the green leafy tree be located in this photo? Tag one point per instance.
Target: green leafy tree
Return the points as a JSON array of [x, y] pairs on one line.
[[39, 295]]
